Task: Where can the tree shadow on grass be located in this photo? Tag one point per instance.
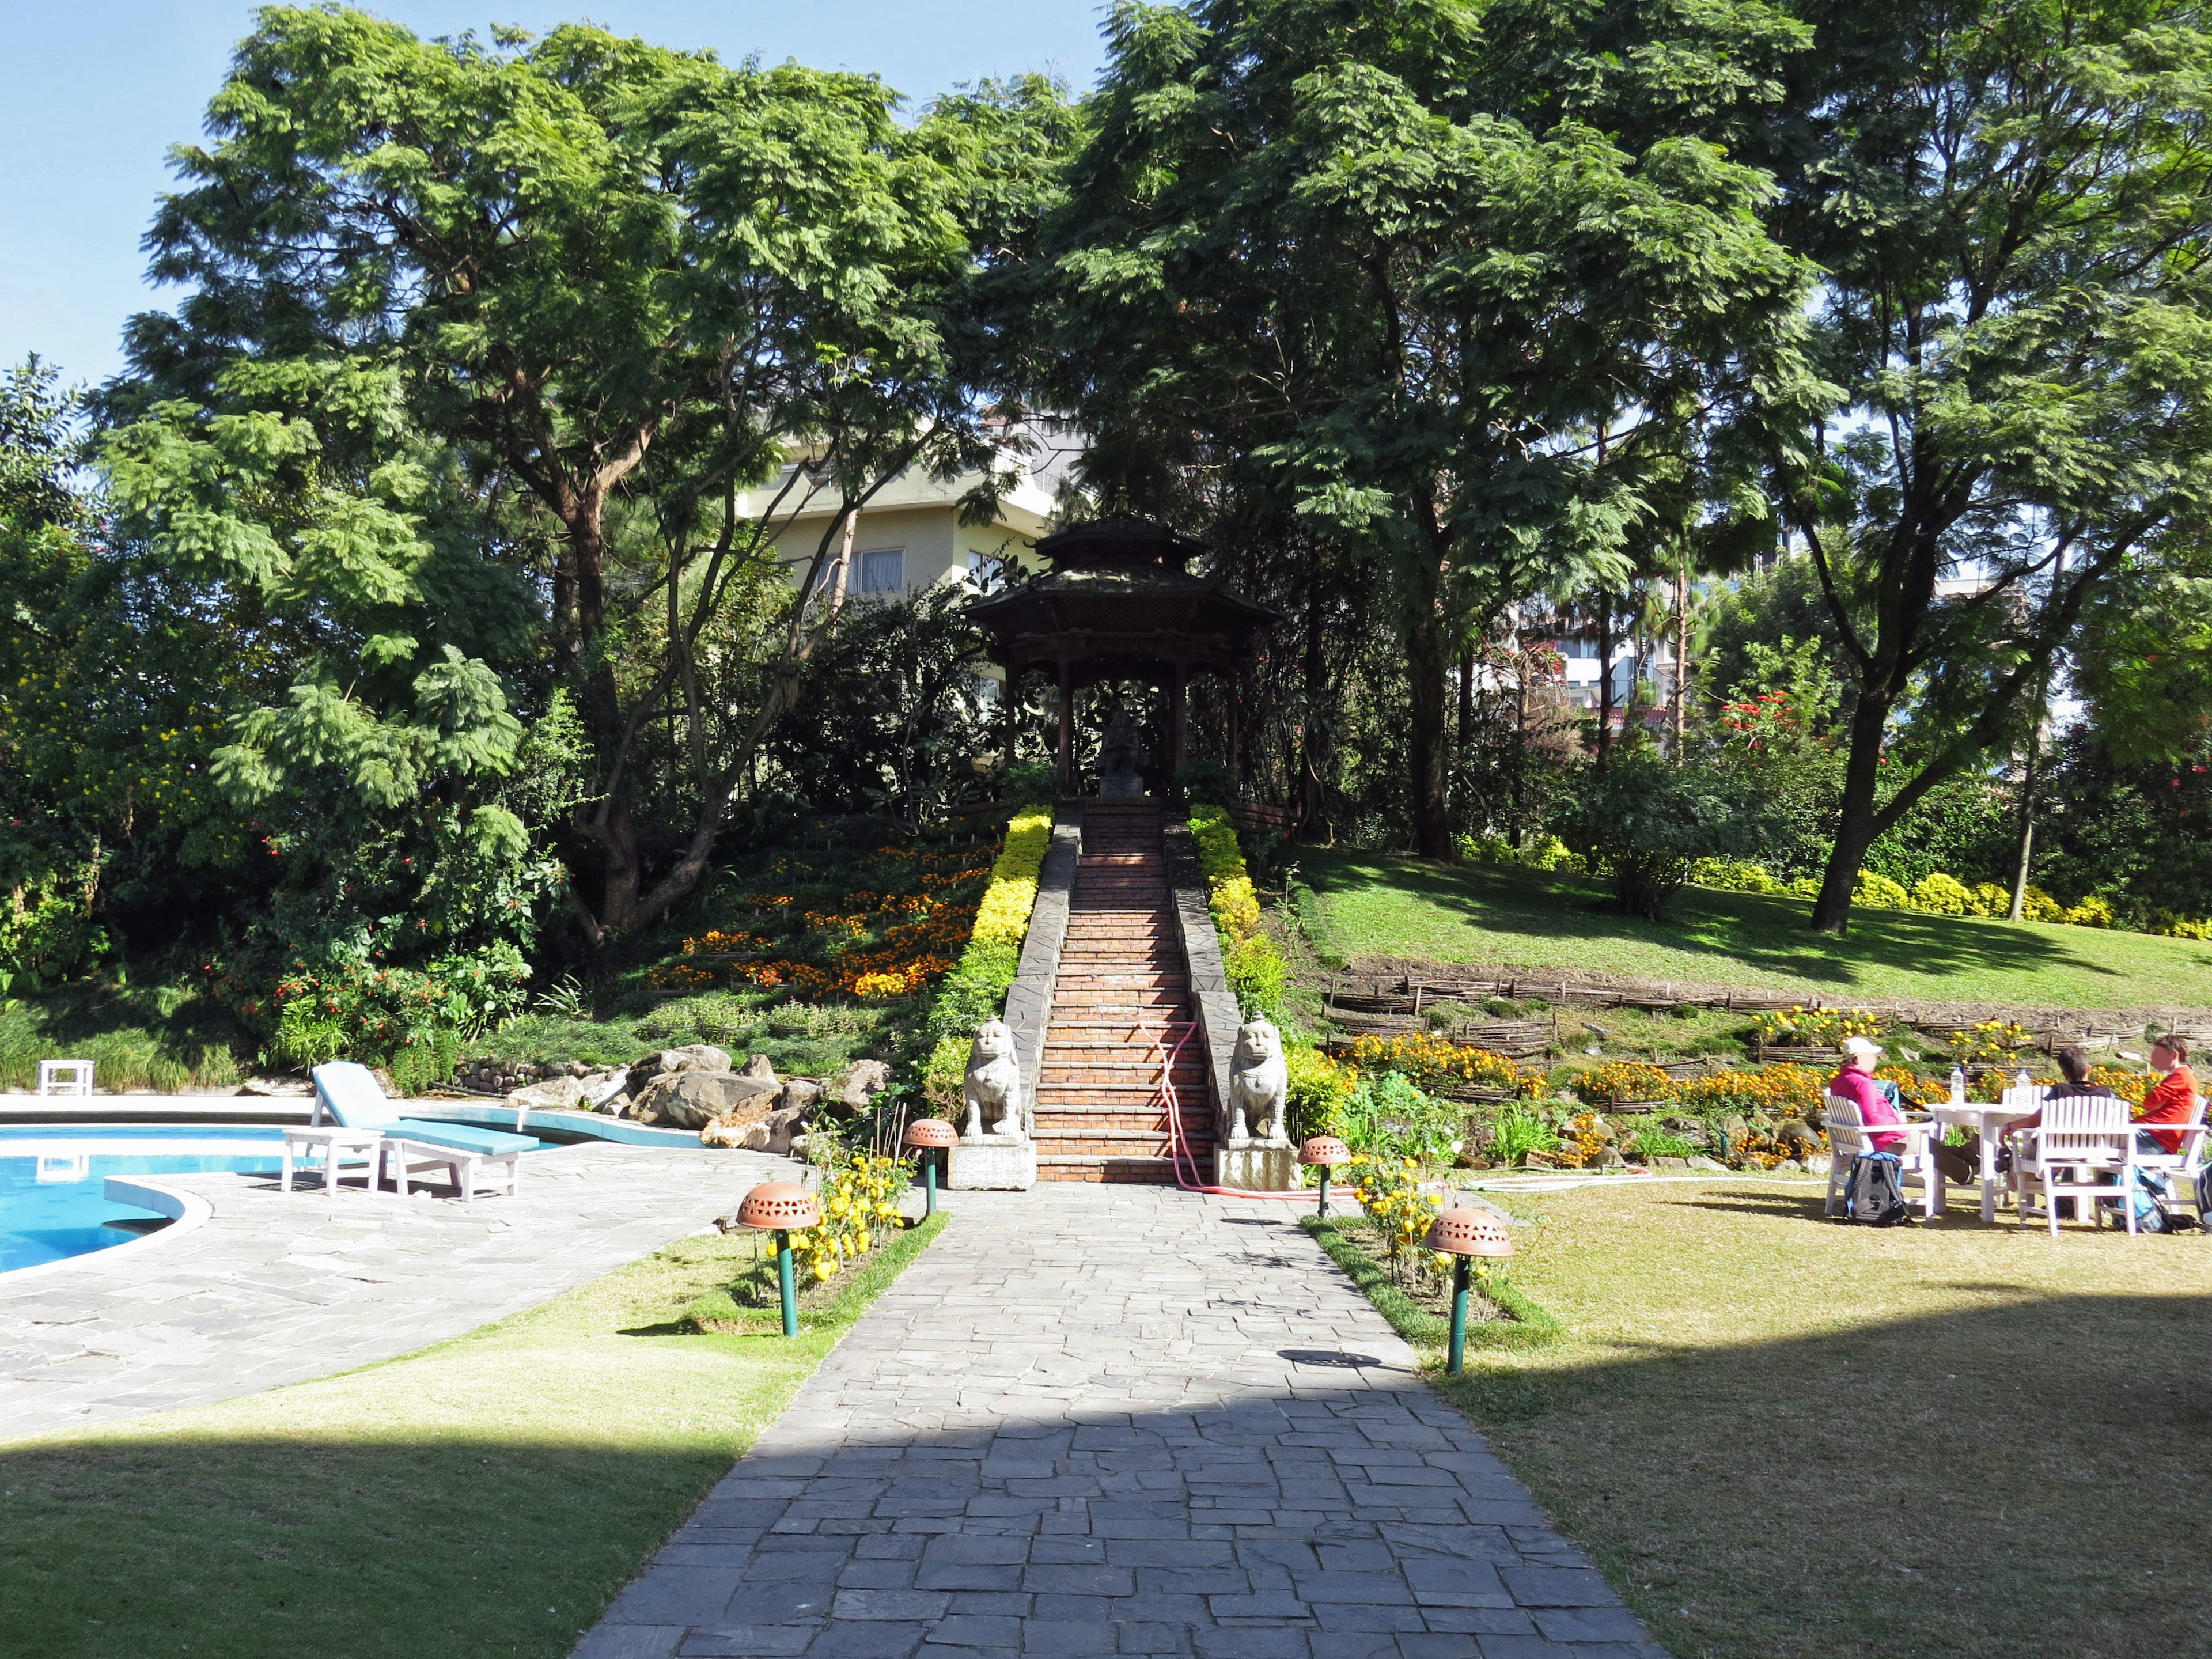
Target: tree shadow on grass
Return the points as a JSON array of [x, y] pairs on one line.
[[1762, 932]]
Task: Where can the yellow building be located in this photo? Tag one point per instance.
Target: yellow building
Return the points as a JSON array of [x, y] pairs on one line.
[[910, 537]]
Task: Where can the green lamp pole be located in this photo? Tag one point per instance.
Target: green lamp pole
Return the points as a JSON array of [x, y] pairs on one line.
[[779, 1206], [1464, 1235]]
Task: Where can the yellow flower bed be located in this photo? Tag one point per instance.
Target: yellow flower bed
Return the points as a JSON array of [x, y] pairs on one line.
[[1989, 1041], [1432, 1061], [860, 1208], [1816, 1028]]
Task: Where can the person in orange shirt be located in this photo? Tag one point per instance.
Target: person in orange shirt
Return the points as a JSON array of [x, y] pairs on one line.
[[2172, 1099]]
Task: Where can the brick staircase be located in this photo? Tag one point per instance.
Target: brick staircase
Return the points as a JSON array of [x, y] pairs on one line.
[[1101, 1112]]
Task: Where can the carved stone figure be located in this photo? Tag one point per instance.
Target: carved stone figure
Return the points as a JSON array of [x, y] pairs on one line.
[[1121, 760], [1259, 1086], [994, 1083]]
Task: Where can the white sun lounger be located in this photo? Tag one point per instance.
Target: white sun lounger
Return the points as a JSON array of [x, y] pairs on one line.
[[473, 1157]]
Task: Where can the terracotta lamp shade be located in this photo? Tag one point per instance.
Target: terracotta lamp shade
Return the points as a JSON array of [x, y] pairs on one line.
[[1325, 1150], [1467, 1232], [932, 1132], [778, 1205]]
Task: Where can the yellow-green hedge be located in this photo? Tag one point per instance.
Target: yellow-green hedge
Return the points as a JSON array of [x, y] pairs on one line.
[[1254, 965], [1004, 916]]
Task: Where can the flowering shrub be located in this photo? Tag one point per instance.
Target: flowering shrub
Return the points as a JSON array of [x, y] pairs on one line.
[[2091, 912], [1249, 956], [2130, 1086], [1623, 1079], [1734, 876], [1434, 1062], [1780, 1090], [1399, 1212], [859, 1205], [1814, 1028], [1989, 900], [1989, 1042], [1582, 1139], [1912, 1088], [1940, 895], [1390, 1115]]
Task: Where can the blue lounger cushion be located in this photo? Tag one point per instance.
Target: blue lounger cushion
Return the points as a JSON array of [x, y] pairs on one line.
[[349, 1095]]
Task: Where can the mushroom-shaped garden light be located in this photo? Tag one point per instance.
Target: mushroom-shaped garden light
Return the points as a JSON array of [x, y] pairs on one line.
[[1324, 1151], [929, 1136], [1463, 1235], [778, 1207]]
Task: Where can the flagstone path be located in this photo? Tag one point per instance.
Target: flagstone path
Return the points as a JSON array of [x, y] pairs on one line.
[[1110, 1419]]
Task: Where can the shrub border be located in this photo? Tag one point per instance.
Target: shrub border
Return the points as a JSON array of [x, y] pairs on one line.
[[717, 1312], [1526, 1324]]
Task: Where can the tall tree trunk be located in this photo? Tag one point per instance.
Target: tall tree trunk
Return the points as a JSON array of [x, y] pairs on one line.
[[2028, 777], [1604, 678], [1681, 651], [1430, 678], [1856, 828], [1314, 745], [1520, 730]]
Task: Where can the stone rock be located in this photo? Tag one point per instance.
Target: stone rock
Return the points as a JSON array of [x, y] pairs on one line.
[[615, 1105], [1665, 1161], [1683, 1126], [1701, 1162], [600, 1087], [692, 1100], [866, 1079], [555, 1094], [692, 1057], [1610, 1158], [275, 1087], [799, 1093], [1796, 1135], [758, 1066], [775, 1133]]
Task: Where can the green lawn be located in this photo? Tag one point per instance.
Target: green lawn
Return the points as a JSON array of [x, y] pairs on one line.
[[485, 1497], [1375, 905], [1782, 1438]]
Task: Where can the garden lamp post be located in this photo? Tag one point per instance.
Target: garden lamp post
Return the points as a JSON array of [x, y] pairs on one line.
[[779, 1206], [1463, 1235], [930, 1136], [1324, 1151]]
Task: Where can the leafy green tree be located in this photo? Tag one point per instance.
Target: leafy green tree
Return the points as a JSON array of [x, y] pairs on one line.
[[575, 316], [1647, 820], [1448, 282], [2011, 201]]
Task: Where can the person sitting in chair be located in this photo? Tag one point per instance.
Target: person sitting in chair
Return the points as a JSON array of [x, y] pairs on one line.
[[1857, 1084], [2172, 1099]]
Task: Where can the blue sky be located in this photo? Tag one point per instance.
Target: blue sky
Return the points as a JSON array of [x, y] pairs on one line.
[[99, 89]]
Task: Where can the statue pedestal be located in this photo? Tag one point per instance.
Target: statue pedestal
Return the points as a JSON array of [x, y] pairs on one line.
[[1120, 786], [991, 1166], [1257, 1169]]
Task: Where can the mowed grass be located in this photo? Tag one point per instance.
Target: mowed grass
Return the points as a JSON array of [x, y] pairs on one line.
[[1782, 1438], [486, 1497], [1374, 905]]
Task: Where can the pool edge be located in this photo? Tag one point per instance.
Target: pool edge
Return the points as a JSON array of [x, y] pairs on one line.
[[188, 1213]]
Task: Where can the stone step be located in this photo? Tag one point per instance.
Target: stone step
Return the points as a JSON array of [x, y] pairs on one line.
[[1131, 1171]]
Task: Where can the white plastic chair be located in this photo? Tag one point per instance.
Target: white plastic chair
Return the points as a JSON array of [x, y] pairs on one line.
[[2182, 1166], [2084, 1150], [1848, 1138], [65, 1077]]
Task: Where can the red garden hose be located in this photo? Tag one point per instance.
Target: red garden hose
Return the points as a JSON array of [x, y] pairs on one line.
[[1180, 1155]]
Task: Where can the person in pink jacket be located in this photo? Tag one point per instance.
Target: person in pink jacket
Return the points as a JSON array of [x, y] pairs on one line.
[[1857, 1083]]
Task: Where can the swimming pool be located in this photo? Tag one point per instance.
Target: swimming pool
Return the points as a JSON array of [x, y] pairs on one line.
[[52, 1177]]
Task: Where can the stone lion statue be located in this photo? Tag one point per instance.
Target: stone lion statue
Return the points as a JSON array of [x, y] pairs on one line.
[[994, 1083], [1259, 1086]]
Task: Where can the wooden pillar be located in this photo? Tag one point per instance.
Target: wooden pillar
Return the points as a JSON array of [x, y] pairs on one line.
[[1066, 729], [1177, 682], [1237, 730]]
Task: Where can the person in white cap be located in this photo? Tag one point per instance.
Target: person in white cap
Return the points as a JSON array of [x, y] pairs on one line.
[[1856, 1083]]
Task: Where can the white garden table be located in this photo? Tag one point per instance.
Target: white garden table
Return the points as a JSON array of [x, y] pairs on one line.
[[300, 1140], [1988, 1120]]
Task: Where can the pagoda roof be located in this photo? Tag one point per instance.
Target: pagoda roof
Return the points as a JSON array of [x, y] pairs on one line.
[[1118, 603]]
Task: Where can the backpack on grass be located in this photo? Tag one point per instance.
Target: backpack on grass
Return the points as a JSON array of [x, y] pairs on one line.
[[1873, 1193]]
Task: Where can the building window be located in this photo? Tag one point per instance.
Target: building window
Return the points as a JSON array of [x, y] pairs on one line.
[[882, 571], [986, 574]]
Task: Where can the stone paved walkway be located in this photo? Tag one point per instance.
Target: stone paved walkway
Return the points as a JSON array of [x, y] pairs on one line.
[[278, 1288], [1120, 1420]]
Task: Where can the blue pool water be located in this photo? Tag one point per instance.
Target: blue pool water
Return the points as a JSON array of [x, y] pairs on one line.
[[51, 1179]]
